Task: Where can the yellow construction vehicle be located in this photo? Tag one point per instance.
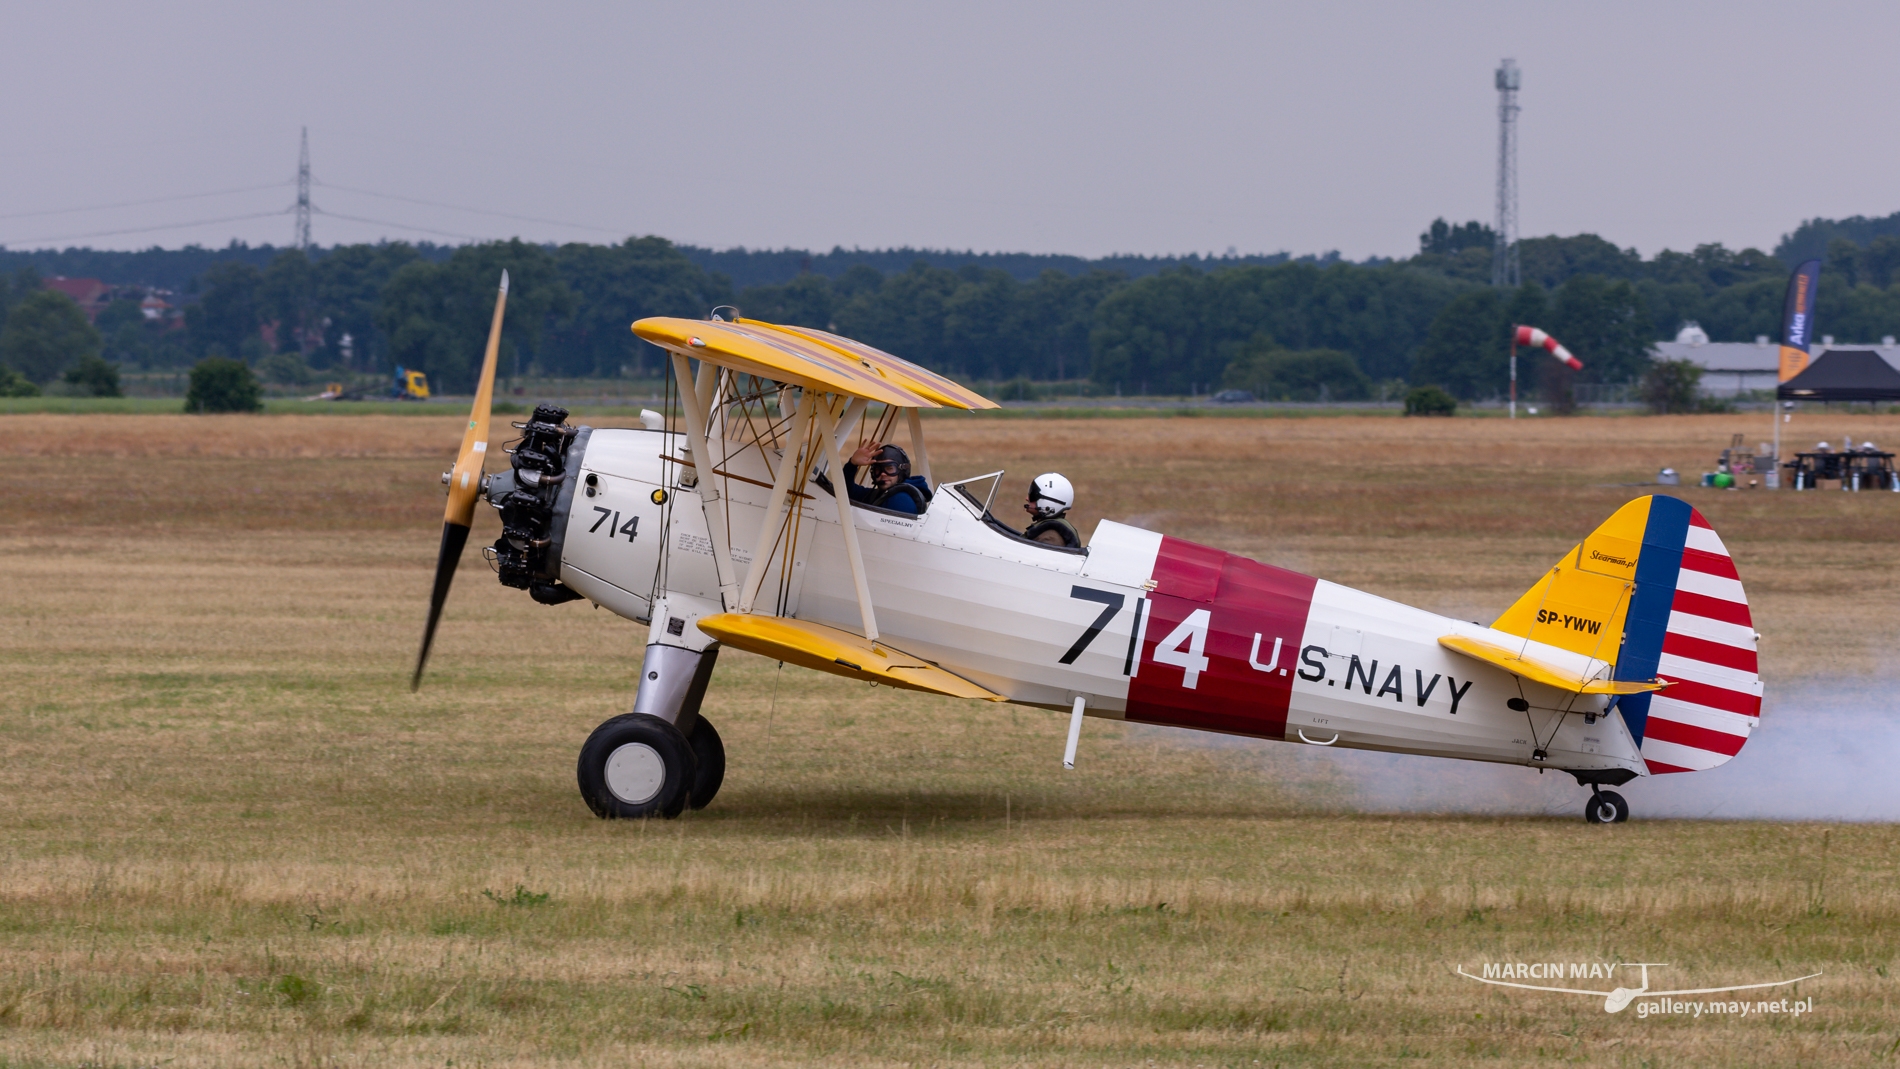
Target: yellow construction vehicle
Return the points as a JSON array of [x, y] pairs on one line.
[[410, 385]]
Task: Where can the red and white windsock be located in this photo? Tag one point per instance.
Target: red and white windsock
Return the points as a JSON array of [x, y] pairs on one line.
[[1531, 336]]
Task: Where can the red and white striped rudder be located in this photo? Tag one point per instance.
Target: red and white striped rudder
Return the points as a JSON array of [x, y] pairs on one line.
[[1713, 702]]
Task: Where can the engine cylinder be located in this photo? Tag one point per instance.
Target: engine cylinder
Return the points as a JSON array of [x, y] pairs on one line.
[[533, 497]]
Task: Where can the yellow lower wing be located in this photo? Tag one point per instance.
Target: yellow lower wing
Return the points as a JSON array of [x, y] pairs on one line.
[[1539, 672], [841, 653]]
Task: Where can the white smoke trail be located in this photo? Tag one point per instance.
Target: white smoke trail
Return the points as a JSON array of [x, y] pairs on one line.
[[1824, 751]]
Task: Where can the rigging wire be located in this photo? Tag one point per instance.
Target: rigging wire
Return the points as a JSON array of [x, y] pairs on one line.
[[148, 229], [399, 226], [142, 203], [669, 485], [763, 444], [804, 455], [473, 211], [772, 713], [725, 380], [595, 228]]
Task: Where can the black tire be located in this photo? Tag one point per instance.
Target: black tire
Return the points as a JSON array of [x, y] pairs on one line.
[[710, 752], [636, 765], [1606, 807]]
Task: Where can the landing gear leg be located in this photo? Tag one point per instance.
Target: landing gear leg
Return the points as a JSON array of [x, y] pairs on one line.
[[1606, 807]]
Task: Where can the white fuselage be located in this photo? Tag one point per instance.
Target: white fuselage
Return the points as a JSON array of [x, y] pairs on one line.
[[1189, 635]]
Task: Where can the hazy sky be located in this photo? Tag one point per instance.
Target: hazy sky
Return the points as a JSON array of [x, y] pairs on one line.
[[1085, 128]]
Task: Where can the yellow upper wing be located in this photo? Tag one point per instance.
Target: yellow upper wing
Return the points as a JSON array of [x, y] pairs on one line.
[[922, 381], [812, 359]]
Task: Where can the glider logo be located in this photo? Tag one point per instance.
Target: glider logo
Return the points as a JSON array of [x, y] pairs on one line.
[[1507, 973]]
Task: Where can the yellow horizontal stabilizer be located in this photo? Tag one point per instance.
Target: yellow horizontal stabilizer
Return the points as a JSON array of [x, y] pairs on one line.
[[1539, 672], [841, 653], [921, 381], [779, 356]]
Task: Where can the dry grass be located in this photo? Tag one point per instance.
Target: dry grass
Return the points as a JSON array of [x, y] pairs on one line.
[[233, 838]]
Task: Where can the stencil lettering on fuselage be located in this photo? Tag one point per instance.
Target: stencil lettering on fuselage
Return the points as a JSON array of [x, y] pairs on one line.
[[1220, 654], [1395, 681]]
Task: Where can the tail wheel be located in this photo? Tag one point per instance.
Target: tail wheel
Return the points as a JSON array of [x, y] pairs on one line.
[[1606, 807], [711, 755], [636, 765]]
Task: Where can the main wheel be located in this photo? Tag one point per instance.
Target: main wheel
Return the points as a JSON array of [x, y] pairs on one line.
[[710, 752], [1606, 807], [636, 765]]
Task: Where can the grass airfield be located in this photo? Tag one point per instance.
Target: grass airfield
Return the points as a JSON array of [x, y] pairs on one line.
[[232, 837]]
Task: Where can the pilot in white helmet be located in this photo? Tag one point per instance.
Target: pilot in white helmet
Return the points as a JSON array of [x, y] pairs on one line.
[[1048, 502]]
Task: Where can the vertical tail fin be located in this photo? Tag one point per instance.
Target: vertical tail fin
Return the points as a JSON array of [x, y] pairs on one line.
[[1654, 593]]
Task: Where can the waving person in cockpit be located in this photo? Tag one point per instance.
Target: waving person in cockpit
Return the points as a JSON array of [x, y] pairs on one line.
[[892, 485]]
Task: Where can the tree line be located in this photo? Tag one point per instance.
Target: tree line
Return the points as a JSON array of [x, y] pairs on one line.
[[177, 269], [1282, 328], [43, 337]]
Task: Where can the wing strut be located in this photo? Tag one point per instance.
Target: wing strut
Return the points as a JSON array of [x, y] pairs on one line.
[[712, 503], [708, 388], [771, 524], [847, 421], [828, 435], [919, 460]]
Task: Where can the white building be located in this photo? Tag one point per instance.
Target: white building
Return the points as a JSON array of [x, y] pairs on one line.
[[1731, 368]]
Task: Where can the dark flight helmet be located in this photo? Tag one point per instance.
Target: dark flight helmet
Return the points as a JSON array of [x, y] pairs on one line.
[[891, 459]]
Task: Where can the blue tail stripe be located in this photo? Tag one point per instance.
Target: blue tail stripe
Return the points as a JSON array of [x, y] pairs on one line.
[[1656, 571]]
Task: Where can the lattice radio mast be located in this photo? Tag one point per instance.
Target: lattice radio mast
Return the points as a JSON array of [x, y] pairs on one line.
[[1504, 256], [302, 237]]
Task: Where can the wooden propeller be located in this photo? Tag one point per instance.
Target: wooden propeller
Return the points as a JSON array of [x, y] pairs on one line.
[[465, 486]]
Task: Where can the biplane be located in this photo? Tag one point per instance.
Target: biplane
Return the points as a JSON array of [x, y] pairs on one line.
[[1633, 656]]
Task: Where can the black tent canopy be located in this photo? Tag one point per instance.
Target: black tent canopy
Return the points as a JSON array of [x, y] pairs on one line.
[[1844, 375]]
